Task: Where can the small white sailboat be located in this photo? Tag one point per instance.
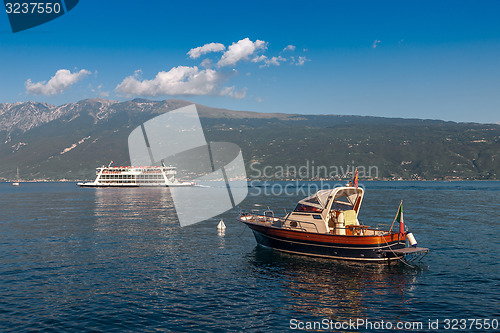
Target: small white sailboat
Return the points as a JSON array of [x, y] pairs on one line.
[[16, 183], [221, 226]]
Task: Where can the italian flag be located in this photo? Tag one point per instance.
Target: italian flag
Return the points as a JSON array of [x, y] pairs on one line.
[[399, 218]]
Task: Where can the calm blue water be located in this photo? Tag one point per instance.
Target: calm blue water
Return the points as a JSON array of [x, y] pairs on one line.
[[117, 260]]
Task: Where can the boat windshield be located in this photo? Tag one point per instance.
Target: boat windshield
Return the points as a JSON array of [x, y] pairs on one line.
[[341, 206], [302, 208], [343, 201]]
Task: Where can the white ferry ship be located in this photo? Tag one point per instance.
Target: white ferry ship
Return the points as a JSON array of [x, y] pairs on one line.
[[135, 176]]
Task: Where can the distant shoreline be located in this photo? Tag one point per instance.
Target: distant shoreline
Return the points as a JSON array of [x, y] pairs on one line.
[[287, 180]]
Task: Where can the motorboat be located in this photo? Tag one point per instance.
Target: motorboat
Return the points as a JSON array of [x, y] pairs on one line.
[[326, 225]]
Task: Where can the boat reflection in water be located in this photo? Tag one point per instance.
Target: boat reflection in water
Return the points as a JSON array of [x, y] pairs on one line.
[[120, 210], [335, 289]]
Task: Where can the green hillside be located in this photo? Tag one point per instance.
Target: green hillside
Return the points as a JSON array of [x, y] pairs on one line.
[[91, 133]]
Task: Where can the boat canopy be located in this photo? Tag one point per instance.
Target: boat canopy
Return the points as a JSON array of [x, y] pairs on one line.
[[319, 199], [345, 198]]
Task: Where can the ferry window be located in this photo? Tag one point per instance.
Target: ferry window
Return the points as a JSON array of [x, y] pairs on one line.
[[307, 209]]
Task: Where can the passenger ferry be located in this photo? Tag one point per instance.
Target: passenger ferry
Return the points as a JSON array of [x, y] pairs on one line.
[[326, 225], [135, 176]]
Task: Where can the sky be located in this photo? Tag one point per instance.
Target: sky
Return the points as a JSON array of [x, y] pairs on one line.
[[425, 59]]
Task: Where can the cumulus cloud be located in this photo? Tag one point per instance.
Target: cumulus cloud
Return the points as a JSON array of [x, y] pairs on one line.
[[207, 48], [231, 91], [241, 50], [301, 61], [259, 58], [273, 61], [181, 80], [207, 63], [60, 82], [209, 77], [375, 43], [267, 62], [99, 92]]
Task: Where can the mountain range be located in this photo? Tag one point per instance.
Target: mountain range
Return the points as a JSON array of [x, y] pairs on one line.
[[69, 141]]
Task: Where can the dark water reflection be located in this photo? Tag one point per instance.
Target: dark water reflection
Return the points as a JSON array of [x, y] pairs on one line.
[[336, 290]]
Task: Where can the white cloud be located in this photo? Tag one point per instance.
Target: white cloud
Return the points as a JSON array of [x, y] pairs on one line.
[[230, 91], [60, 82], [241, 50], [201, 50], [273, 61], [181, 80], [259, 58], [99, 92], [301, 61], [375, 43], [207, 63], [209, 78]]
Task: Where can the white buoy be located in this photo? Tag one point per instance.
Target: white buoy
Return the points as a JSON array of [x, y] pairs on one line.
[[411, 239], [221, 226]]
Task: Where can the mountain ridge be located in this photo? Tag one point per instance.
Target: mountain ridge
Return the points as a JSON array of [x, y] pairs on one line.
[[70, 140]]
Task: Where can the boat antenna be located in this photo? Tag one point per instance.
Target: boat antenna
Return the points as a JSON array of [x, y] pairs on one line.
[[110, 164], [163, 164]]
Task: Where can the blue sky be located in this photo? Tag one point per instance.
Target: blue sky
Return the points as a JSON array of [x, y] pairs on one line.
[[437, 60]]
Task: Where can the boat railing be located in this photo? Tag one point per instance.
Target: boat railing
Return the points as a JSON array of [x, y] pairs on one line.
[[379, 225], [268, 217], [300, 225], [260, 218]]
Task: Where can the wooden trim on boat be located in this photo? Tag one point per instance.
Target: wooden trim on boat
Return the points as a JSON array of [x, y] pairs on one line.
[[326, 238]]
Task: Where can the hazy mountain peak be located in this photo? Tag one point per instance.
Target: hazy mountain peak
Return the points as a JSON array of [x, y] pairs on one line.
[[98, 100]]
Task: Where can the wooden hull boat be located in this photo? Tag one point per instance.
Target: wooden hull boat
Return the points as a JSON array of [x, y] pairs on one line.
[[326, 225], [367, 248]]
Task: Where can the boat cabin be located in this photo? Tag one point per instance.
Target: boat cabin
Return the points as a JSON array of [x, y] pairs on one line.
[[327, 211]]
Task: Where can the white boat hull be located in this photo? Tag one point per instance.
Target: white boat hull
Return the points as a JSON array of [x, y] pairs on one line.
[[135, 185]]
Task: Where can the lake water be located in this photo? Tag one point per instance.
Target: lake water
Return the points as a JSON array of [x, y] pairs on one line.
[[76, 259]]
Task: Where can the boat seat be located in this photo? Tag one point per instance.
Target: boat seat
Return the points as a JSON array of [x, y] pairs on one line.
[[350, 218]]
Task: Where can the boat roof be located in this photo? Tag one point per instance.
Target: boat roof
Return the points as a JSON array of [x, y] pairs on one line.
[[320, 198]]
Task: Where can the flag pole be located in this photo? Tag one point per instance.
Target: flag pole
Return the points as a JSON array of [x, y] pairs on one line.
[[395, 217]]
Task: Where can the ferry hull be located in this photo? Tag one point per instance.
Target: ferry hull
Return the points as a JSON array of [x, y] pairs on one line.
[[330, 246], [134, 185]]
